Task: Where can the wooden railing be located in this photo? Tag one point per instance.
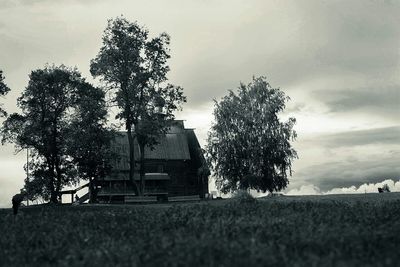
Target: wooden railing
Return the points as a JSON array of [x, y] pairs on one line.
[[73, 191]]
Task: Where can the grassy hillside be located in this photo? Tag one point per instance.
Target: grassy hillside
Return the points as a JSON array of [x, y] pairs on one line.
[[282, 231]]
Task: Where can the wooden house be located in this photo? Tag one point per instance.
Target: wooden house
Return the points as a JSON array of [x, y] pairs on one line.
[[175, 167]]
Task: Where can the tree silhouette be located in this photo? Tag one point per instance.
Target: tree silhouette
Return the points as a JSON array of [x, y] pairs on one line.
[[134, 67], [55, 101], [4, 89], [248, 146]]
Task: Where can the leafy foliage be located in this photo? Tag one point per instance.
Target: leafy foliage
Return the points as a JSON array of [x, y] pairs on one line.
[[36, 184], [4, 89], [248, 145], [89, 138], [134, 67], [355, 230], [43, 123], [56, 102]]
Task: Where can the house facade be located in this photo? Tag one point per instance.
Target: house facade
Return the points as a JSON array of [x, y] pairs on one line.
[[175, 167]]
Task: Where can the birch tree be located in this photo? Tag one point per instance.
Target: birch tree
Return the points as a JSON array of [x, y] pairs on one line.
[[249, 147]]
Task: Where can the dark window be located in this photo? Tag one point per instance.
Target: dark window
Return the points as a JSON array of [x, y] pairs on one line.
[[152, 168], [160, 168]]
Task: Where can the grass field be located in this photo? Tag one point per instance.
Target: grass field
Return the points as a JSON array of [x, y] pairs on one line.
[[355, 230]]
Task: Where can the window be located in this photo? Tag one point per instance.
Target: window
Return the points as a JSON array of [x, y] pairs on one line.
[[160, 168], [153, 168]]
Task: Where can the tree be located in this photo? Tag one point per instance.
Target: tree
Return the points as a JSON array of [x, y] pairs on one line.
[[135, 67], [248, 146], [48, 104], [4, 89], [36, 184], [92, 153]]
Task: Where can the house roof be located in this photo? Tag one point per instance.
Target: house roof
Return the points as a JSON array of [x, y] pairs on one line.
[[178, 144], [172, 146]]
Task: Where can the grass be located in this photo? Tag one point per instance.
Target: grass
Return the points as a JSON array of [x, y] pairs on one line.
[[357, 230]]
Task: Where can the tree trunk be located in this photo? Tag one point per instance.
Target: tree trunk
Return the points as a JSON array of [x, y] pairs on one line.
[[51, 177], [132, 159], [92, 191], [53, 194], [142, 170], [56, 170], [58, 181]]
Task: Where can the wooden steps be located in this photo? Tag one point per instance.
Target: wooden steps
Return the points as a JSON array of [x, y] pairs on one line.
[[84, 198], [81, 199]]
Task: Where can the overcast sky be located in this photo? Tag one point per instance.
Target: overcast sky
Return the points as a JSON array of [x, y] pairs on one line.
[[339, 61]]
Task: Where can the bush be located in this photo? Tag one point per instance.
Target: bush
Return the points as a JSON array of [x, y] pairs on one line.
[[243, 196]]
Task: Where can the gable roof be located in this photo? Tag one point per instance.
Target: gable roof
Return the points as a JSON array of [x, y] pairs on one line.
[[172, 146]]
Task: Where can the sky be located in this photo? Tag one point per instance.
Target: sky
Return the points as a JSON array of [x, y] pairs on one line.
[[339, 61]]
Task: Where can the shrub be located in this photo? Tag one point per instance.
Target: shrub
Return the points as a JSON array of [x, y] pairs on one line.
[[243, 196]]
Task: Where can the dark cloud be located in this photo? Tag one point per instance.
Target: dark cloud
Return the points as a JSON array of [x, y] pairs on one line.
[[359, 36], [353, 172], [216, 46], [322, 40], [350, 158], [382, 136], [383, 100]]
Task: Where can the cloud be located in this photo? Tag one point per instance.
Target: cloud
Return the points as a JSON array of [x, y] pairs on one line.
[[385, 135], [354, 36], [216, 45], [384, 100], [295, 107], [394, 186], [304, 190], [348, 158], [15, 3], [7, 4], [351, 171], [292, 44], [310, 189]]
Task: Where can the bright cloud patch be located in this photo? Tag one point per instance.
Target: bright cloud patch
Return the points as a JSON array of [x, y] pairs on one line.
[[310, 189], [305, 190]]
